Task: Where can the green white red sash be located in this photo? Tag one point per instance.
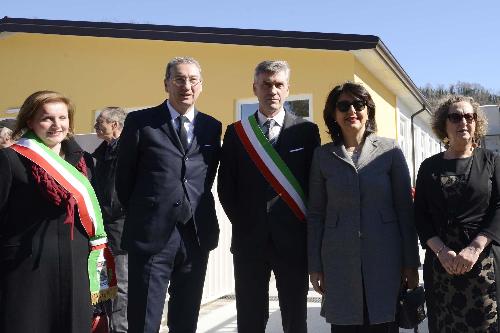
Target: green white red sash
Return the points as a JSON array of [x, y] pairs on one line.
[[271, 165], [101, 267]]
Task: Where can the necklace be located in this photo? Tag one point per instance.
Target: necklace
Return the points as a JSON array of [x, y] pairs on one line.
[[452, 153]]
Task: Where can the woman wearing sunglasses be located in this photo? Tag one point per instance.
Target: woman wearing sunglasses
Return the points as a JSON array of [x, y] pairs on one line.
[[457, 214], [362, 241]]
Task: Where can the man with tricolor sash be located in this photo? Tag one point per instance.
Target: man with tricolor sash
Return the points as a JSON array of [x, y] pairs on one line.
[[263, 178]]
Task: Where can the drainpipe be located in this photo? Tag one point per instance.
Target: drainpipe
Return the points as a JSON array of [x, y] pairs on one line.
[[413, 142]]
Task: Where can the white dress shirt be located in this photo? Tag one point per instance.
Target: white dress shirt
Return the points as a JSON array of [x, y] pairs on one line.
[[279, 119], [188, 125]]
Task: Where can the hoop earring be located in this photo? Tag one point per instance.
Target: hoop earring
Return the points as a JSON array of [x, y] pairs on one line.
[[474, 143]]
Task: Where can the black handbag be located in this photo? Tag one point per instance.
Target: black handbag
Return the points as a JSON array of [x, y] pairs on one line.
[[411, 310]]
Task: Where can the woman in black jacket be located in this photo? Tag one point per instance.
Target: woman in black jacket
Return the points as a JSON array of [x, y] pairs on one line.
[[457, 214], [44, 247]]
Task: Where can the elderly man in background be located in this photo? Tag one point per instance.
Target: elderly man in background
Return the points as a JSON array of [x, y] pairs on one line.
[[6, 128], [108, 127]]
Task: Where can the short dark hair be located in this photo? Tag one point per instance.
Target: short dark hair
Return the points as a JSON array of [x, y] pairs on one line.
[[356, 90], [8, 123]]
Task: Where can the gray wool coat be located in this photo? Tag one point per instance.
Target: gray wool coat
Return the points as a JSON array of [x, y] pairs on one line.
[[360, 229]]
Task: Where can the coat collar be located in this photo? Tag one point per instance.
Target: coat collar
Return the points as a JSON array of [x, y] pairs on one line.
[[167, 126], [72, 151], [367, 151]]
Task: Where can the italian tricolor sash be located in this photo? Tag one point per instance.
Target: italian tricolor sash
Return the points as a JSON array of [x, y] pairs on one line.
[[101, 267], [271, 165]]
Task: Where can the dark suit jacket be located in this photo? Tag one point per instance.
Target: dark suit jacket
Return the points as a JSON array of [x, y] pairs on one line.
[[244, 192], [103, 180], [160, 185]]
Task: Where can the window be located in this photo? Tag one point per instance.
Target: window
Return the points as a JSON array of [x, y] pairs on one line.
[[299, 105], [404, 137]]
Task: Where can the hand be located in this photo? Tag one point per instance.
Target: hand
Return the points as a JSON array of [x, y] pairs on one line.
[[446, 258], [464, 261], [318, 281], [409, 277]]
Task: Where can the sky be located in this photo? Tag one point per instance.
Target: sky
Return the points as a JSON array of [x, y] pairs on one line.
[[437, 42]]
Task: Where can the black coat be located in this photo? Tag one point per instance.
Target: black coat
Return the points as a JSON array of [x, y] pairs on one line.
[[480, 211], [160, 185], [244, 192], [44, 284], [103, 180]]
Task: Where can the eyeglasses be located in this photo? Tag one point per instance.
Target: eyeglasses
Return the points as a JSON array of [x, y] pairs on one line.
[[344, 106], [182, 81], [458, 117]]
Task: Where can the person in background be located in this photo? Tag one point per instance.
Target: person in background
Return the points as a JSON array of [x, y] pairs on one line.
[[166, 168], [49, 235], [6, 128], [362, 241], [267, 208], [457, 214], [108, 127]]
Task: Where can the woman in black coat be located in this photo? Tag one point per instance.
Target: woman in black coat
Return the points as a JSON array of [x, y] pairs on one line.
[[457, 214], [44, 283]]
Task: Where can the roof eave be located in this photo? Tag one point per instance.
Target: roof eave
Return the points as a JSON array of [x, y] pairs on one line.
[[396, 68], [255, 37]]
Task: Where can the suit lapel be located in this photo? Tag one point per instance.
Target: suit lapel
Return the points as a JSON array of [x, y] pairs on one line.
[[283, 139], [368, 151], [340, 152], [168, 127], [198, 130]]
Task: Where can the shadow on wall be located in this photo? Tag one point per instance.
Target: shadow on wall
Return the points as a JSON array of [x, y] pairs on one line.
[[88, 142]]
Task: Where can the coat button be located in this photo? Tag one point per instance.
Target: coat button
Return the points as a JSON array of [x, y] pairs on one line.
[[186, 158], [177, 204], [185, 180]]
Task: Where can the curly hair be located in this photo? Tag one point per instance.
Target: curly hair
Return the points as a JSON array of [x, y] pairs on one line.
[[440, 115], [355, 90]]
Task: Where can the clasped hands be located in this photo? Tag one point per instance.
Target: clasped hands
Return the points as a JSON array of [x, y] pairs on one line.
[[457, 264]]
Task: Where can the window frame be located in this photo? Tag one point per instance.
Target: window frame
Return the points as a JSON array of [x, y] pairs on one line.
[[290, 98]]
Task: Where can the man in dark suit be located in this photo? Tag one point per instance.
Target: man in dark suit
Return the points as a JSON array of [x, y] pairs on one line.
[[108, 127], [262, 180], [166, 168]]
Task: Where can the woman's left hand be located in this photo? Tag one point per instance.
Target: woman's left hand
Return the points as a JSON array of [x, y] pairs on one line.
[[465, 259], [409, 277]]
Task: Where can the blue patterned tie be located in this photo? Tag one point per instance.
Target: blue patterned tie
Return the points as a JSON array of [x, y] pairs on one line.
[[268, 126]]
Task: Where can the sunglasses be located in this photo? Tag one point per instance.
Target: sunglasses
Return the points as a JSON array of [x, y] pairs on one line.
[[344, 106], [458, 117]]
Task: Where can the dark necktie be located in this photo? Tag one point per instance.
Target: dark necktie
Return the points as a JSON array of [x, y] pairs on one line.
[[181, 131], [268, 126]]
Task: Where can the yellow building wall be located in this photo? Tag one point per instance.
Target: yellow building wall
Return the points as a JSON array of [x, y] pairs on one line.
[[98, 72], [385, 101]]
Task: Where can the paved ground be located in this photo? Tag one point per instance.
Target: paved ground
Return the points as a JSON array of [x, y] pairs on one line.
[[220, 316]]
